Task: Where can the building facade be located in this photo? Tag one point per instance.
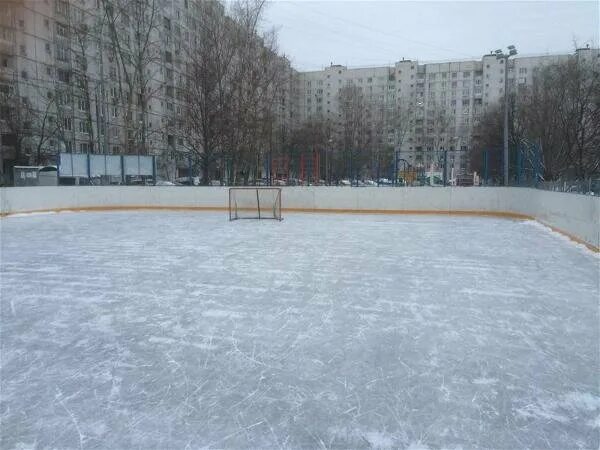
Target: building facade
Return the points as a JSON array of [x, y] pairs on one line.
[[101, 76], [422, 109]]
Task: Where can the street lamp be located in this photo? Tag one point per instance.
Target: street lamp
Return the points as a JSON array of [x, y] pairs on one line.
[[501, 55]]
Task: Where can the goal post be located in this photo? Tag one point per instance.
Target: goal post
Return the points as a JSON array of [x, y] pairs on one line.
[[255, 203]]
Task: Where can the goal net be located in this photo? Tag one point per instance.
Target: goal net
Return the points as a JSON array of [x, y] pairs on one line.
[[254, 203]]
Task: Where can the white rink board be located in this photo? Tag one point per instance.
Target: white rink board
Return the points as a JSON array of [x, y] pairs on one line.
[[577, 215], [175, 329]]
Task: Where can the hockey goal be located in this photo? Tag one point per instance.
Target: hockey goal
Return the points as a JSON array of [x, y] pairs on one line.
[[255, 203]]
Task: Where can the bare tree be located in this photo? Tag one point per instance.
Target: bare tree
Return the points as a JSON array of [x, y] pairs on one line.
[[134, 28], [233, 81], [209, 87], [354, 114], [560, 112], [27, 127], [81, 28]]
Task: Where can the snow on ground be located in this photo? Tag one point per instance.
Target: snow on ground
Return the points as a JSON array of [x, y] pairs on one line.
[[184, 330]]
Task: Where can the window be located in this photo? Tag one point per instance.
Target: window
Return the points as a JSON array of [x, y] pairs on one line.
[[21, 23], [114, 112], [84, 127], [84, 147], [62, 52], [67, 123], [23, 50], [24, 74], [62, 7], [369, 80], [467, 74], [523, 70], [454, 75], [83, 104], [49, 71], [46, 23], [168, 57], [62, 30]]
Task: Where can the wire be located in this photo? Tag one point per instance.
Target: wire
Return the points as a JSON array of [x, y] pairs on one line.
[[381, 32]]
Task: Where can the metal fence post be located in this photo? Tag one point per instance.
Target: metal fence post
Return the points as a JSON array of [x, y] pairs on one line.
[[122, 169], [154, 168], [519, 165], [445, 167], [538, 164], [395, 179], [485, 167], [88, 163]]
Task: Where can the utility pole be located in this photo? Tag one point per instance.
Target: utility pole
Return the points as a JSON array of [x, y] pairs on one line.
[[504, 56]]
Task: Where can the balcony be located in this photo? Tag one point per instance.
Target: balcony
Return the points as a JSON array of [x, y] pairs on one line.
[[7, 47]]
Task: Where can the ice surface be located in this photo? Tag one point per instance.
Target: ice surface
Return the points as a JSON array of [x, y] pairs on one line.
[[184, 330]]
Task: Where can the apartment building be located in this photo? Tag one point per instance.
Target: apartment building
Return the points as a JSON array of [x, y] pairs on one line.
[[59, 68], [424, 108], [69, 69]]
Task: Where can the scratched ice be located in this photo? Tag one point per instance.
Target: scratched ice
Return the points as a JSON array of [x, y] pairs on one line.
[[174, 330]]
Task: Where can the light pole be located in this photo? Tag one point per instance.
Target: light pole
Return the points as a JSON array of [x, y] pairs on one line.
[[327, 169], [501, 55]]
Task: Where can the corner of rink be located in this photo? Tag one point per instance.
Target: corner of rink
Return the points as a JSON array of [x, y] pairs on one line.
[[564, 236]]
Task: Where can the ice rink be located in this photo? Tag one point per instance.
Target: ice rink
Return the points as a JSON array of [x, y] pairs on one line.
[[184, 330]]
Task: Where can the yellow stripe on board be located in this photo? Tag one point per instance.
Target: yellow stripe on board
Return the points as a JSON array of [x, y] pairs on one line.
[[502, 214]]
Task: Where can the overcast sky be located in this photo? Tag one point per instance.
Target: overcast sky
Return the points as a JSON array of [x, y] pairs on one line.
[[363, 33]]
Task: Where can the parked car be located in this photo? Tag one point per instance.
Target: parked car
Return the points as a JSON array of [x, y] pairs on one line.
[[344, 183], [165, 183], [185, 181]]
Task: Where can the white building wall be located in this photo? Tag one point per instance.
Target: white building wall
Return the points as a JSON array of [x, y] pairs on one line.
[[460, 91]]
